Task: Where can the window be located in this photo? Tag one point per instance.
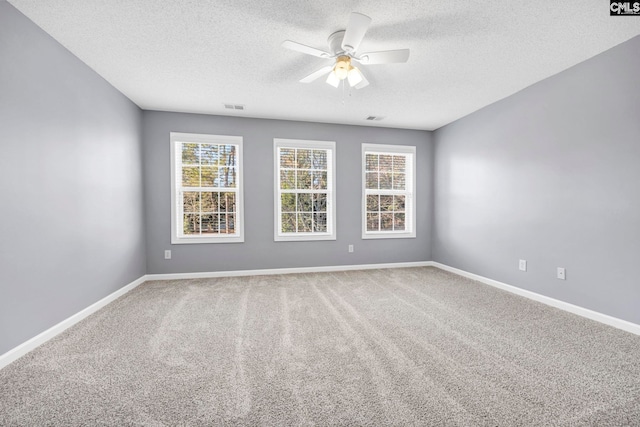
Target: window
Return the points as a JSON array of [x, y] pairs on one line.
[[305, 196], [206, 189], [388, 204]]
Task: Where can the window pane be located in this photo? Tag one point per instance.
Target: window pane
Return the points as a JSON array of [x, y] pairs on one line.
[[386, 221], [288, 223], [373, 220], [372, 203], [191, 202], [227, 202], [371, 162], [191, 224], [209, 154], [386, 203], [227, 155], [209, 202], [304, 158], [398, 203], [386, 163], [319, 180], [288, 180], [287, 158], [226, 177], [399, 163], [209, 224], [231, 203], [319, 159], [320, 222], [320, 202], [305, 221], [385, 180], [304, 180], [190, 154], [190, 176], [208, 176], [398, 181], [399, 221], [304, 202], [231, 223], [227, 223], [372, 180], [288, 202]]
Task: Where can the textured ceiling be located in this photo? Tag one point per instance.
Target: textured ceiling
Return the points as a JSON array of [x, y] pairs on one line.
[[196, 55]]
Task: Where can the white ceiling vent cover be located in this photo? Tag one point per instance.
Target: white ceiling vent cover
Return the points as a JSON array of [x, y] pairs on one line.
[[234, 106]]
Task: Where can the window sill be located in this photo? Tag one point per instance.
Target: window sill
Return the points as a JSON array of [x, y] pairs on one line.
[[389, 235], [304, 238], [205, 240]]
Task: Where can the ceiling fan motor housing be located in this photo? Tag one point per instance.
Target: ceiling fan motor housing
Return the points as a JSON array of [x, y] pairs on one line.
[[335, 42]]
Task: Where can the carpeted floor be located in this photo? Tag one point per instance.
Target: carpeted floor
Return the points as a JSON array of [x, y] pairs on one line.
[[414, 346]]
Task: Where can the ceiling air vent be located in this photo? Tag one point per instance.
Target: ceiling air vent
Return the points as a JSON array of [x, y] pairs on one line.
[[234, 106], [374, 118]]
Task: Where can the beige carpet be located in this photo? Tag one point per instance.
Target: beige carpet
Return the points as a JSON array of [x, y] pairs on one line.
[[415, 346]]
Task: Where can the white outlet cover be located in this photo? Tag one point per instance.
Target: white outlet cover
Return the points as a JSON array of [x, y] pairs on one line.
[[522, 265], [561, 273]]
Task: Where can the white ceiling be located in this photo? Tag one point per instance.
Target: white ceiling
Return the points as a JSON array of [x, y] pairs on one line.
[[196, 55]]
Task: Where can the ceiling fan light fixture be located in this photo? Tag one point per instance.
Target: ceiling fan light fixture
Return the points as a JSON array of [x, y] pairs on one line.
[[354, 76], [332, 79], [343, 65]]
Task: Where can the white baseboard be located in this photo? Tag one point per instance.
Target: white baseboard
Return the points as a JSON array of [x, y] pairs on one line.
[[580, 311], [45, 336], [293, 270]]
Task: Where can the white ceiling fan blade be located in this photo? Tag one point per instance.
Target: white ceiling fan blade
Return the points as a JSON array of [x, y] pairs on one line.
[[363, 83], [385, 57], [299, 47], [356, 29], [317, 74]]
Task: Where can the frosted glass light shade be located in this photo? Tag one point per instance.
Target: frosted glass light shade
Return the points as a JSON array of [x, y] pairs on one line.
[[354, 77], [333, 80]]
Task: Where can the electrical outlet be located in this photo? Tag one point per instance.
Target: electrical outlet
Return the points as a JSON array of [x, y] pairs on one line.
[[350, 248], [523, 265], [562, 273], [167, 254]]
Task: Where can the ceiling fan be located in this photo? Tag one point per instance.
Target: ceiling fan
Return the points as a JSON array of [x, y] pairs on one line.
[[343, 49]]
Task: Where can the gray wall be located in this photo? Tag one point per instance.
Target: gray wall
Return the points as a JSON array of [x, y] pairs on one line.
[[259, 249], [70, 182], [551, 175]]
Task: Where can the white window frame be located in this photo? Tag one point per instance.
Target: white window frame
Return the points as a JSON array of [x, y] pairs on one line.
[[176, 186], [330, 146], [409, 192]]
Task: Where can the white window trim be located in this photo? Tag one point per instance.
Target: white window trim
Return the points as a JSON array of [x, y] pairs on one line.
[[176, 209], [331, 189], [389, 149]]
